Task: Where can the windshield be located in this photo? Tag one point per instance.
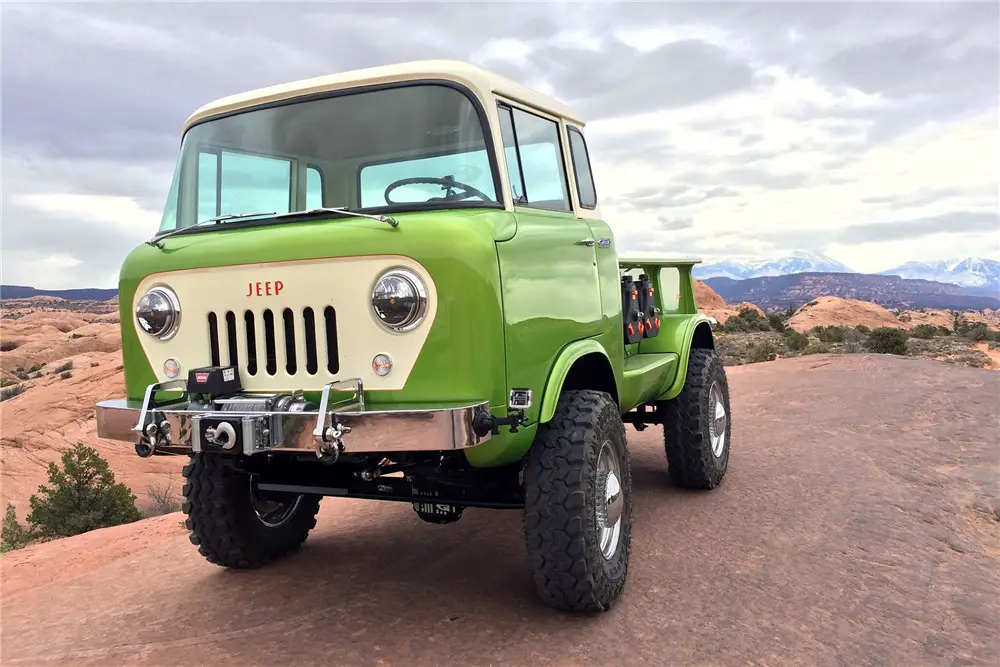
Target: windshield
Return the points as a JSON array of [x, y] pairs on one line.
[[340, 151]]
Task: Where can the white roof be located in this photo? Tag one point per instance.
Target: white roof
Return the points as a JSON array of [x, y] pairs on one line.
[[482, 82]]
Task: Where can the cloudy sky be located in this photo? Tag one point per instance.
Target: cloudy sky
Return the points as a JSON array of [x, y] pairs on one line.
[[866, 131]]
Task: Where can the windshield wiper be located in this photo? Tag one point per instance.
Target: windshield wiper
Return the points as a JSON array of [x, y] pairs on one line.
[[158, 240], [343, 210]]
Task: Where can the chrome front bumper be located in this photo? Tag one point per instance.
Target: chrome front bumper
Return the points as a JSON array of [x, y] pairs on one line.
[[182, 426]]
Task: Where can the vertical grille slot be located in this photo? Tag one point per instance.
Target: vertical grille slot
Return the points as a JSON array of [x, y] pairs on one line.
[[311, 363], [234, 355], [332, 357], [288, 318], [270, 349], [213, 338], [251, 329]]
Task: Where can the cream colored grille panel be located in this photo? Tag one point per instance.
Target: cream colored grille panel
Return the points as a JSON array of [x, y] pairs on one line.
[[320, 326]]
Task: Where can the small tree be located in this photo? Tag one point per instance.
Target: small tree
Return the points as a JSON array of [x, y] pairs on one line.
[[84, 496], [13, 534], [887, 340], [924, 331]]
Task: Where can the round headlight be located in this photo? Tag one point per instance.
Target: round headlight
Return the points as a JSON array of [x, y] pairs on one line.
[[158, 313], [399, 300]]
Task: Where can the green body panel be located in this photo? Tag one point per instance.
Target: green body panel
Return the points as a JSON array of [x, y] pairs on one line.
[[520, 301], [463, 357], [560, 369], [646, 376]]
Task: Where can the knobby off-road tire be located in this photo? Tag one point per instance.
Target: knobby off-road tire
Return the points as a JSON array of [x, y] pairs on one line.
[[222, 516], [565, 504], [696, 457]]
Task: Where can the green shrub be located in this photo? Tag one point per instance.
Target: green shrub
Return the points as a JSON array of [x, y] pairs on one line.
[[944, 331], [795, 340], [763, 351], [887, 340], [862, 329], [829, 334], [8, 345], [745, 321], [13, 535], [65, 375], [83, 496], [817, 348], [977, 332], [776, 322], [63, 367], [924, 331], [11, 391]]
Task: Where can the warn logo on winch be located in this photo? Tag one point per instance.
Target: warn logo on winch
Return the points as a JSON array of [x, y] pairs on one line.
[[201, 377]]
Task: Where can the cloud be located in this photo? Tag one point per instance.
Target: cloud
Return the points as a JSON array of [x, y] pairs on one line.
[[865, 128]]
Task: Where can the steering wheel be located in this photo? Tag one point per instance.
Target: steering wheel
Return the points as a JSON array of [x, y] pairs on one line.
[[448, 184]]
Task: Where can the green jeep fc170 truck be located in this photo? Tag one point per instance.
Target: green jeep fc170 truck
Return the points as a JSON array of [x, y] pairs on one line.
[[396, 284]]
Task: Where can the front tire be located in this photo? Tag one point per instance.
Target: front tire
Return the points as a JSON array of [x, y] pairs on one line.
[[578, 504], [233, 524], [697, 428]]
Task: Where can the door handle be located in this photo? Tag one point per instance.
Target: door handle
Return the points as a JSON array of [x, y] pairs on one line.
[[587, 242]]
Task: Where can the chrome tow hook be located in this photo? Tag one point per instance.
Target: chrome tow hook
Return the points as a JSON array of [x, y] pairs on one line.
[[329, 448]]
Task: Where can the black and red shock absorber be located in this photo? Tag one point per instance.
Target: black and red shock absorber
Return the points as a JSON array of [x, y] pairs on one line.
[[649, 313], [633, 322]]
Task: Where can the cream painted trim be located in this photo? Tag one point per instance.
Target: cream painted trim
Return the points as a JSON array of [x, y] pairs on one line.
[[344, 283], [482, 82]]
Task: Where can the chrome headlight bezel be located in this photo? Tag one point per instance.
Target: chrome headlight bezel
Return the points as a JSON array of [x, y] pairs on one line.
[[174, 321], [416, 317]]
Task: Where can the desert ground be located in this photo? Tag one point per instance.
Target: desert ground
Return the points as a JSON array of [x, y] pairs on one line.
[[859, 524]]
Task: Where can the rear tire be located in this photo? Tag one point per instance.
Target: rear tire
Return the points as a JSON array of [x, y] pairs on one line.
[[696, 431], [231, 522], [578, 461]]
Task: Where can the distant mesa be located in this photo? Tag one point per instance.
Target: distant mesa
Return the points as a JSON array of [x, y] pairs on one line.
[[977, 276], [85, 294]]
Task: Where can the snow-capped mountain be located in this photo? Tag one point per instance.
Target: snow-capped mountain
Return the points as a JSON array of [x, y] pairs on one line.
[[974, 272], [796, 262]]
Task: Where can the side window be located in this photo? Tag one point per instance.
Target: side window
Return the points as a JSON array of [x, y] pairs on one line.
[[511, 157], [241, 183], [538, 153], [314, 188], [581, 165]]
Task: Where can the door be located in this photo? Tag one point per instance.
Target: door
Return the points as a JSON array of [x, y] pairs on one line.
[[548, 269]]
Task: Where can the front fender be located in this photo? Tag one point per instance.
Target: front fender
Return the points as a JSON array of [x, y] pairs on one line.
[[560, 369], [682, 331]]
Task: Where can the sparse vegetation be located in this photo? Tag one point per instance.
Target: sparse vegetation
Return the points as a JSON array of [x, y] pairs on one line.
[[65, 375], [977, 332], [11, 391], [887, 340], [829, 334], [161, 500], [763, 351], [13, 535], [748, 319], [95, 364], [75, 336], [82, 496], [817, 348], [925, 331], [8, 345], [796, 341], [26, 374], [63, 367]]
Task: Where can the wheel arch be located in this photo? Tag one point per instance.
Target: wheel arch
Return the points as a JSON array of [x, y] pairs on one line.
[[583, 364], [699, 336]]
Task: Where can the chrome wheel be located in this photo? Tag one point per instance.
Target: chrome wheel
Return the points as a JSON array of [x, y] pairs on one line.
[[271, 513], [718, 420], [610, 501]]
